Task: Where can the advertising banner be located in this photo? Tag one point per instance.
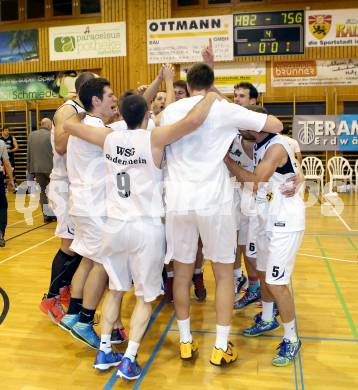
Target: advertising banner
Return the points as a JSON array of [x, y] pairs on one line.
[[87, 41], [19, 45], [314, 73], [181, 40], [335, 27], [326, 132], [33, 86], [228, 75]]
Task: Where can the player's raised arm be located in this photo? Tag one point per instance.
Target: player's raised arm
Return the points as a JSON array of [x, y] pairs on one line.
[[91, 134], [272, 125], [60, 135], [165, 135]]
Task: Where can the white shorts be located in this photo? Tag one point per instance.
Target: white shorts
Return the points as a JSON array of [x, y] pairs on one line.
[[243, 228], [88, 237], [217, 230], [134, 250], [58, 196], [276, 253], [253, 225]]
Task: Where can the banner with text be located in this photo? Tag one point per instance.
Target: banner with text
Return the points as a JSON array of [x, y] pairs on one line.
[[314, 73], [87, 41], [228, 75], [326, 132], [19, 45], [181, 40], [335, 27]]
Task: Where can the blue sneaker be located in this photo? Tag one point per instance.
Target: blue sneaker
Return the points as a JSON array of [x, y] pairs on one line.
[[287, 353], [86, 334], [128, 369], [261, 327], [68, 321], [249, 297], [275, 313], [240, 283], [104, 361]]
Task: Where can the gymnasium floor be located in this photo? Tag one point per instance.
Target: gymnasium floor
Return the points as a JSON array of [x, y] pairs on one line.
[[35, 354]]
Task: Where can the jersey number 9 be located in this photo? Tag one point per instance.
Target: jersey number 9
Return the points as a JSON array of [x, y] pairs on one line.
[[123, 185]]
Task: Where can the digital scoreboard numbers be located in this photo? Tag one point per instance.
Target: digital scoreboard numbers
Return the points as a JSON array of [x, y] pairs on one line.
[[268, 33]]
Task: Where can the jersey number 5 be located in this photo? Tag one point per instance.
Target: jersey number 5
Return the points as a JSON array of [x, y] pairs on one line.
[[123, 185]]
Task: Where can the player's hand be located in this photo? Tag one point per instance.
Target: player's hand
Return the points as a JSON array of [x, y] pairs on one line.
[[141, 89], [292, 185], [160, 75], [168, 72], [208, 53]]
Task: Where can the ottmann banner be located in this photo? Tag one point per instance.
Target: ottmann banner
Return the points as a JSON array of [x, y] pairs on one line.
[[181, 40], [87, 41], [314, 73], [335, 27], [33, 86], [326, 132], [19, 45], [228, 75]]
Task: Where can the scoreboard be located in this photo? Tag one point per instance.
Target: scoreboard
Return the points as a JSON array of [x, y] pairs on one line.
[[268, 33]]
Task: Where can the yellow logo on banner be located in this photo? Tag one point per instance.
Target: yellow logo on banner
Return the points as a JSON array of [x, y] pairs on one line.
[[320, 25]]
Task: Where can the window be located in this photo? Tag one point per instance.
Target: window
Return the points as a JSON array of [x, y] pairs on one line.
[[312, 108], [35, 9], [184, 3], [9, 10], [279, 109], [62, 7], [90, 6], [350, 108], [211, 2]]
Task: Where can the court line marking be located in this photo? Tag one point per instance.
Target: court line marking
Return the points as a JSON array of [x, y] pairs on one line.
[[113, 379], [353, 245], [328, 258], [154, 353], [26, 250], [340, 217], [23, 220], [338, 291]]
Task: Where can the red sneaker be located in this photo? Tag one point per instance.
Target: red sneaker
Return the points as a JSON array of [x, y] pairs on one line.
[[65, 296], [52, 307], [118, 336], [168, 290]]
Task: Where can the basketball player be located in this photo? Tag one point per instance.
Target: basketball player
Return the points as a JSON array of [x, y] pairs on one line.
[[199, 199], [279, 234], [134, 241], [66, 261], [86, 167]]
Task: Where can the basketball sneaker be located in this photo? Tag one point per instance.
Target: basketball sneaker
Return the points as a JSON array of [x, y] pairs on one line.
[[240, 283], [85, 333], [118, 336], [276, 313], [248, 298], [65, 296], [187, 350], [287, 353], [261, 327], [199, 288], [168, 289], [68, 321], [129, 370], [104, 361], [52, 307], [219, 357]]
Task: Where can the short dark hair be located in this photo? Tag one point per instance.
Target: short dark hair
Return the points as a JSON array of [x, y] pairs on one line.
[[133, 109], [256, 108], [253, 93], [92, 87], [81, 79], [181, 84], [200, 76], [128, 92]]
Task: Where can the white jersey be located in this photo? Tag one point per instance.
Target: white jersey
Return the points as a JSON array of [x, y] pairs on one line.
[[276, 211], [197, 175], [122, 125], [134, 183], [59, 170], [238, 154], [86, 173]]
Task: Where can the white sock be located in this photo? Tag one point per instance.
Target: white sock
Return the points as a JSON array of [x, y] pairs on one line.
[[197, 271], [131, 351], [105, 344], [184, 331], [170, 274], [222, 335], [290, 331], [238, 272], [267, 311]]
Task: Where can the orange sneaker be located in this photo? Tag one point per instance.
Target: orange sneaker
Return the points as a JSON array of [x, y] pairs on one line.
[[65, 296], [52, 307]]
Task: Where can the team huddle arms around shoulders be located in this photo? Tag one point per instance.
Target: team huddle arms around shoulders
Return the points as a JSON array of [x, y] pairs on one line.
[[148, 185]]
